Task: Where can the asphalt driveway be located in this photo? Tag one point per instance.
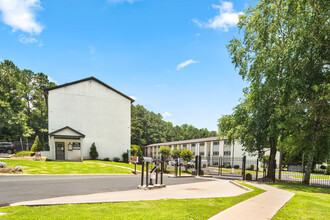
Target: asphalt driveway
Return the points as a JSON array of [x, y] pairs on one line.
[[19, 188]]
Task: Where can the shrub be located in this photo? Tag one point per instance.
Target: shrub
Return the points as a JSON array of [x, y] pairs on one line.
[[236, 166], [228, 166], [251, 167], [323, 167], [93, 152], [25, 153], [116, 159], [327, 171], [106, 159], [37, 146], [125, 157]]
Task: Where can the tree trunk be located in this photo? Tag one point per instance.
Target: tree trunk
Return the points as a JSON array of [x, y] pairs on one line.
[[310, 157], [165, 164], [271, 162]]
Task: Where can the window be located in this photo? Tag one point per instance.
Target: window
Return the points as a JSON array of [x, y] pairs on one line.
[[216, 150], [193, 147], [226, 153], [215, 142], [75, 146], [202, 144], [202, 150], [185, 146]]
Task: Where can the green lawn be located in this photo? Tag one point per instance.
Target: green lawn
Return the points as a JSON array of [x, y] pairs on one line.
[[138, 167], [159, 209], [314, 176], [64, 167], [308, 203]]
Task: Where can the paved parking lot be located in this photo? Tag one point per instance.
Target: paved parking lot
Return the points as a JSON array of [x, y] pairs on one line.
[[18, 188]]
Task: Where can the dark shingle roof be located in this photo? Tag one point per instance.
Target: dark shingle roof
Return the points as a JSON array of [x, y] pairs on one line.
[[86, 79]]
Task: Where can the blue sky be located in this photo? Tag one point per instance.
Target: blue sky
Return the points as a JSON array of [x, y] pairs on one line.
[[169, 54]]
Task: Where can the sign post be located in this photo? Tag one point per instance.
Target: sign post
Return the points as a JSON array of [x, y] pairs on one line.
[[135, 160]]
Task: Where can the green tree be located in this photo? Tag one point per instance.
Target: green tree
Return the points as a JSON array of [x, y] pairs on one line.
[[148, 128], [93, 152], [135, 150], [283, 55], [22, 101], [175, 153], [37, 146], [13, 119], [187, 156], [165, 151]]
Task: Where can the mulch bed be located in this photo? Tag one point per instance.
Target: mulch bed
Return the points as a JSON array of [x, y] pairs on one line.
[[9, 170]]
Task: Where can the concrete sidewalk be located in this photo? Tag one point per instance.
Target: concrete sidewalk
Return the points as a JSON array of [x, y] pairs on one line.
[[208, 189], [263, 206]]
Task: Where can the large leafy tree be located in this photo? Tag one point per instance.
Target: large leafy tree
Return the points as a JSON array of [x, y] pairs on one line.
[[13, 118], [23, 107], [283, 55]]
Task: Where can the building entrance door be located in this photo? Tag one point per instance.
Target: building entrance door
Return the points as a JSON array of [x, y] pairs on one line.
[[60, 153]]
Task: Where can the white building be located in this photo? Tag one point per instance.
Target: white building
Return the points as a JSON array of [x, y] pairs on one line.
[[213, 149], [84, 112]]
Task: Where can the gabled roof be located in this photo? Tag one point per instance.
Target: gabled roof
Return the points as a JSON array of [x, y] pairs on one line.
[[67, 127], [87, 79]]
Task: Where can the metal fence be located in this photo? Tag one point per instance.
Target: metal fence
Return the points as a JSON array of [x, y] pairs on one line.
[[296, 174], [232, 167], [23, 146]]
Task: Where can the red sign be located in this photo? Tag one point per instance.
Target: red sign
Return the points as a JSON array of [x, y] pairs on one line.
[[135, 159]]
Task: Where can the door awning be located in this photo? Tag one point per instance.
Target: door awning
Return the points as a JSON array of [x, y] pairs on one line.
[[66, 133]]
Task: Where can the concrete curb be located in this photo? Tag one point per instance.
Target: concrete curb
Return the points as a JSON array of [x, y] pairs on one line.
[[183, 176], [241, 186]]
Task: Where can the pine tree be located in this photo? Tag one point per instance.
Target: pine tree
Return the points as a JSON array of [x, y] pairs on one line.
[[37, 146], [93, 152]]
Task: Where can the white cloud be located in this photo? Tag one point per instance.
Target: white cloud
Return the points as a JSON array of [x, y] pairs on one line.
[[133, 97], [27, 40], [166, 114], [185, 63], [226, 18], [122, 1], [21, 15], [51, 79]]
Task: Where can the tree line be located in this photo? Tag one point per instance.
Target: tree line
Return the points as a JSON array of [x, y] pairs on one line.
[[148, 127], [23, 112], [283, 54]]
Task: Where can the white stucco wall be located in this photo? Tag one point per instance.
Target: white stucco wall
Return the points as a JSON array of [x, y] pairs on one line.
[[101, 114]]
